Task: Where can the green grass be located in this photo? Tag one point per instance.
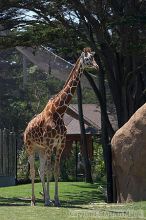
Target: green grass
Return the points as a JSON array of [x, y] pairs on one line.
[[79, 201], [70, 193]]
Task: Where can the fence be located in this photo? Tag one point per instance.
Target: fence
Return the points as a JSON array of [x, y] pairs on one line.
[[7, 158]]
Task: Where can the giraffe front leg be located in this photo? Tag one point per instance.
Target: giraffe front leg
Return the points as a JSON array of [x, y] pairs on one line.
[[48, 174], [56, 174], [43, 160], [44, 170], [56, 177], [32, 174]]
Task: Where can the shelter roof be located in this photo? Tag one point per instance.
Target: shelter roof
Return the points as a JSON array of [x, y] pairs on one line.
[[92, 119]]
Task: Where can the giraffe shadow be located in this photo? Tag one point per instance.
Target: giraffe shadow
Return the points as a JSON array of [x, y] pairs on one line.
[[72, 200], [18, 202], [14, 201], [83, 198]]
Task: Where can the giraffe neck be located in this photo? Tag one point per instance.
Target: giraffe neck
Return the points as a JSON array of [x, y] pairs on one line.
[[62, 100]]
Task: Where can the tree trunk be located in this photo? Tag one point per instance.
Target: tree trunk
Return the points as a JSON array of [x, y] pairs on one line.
[[102, 105], [105, 140], [87, 164]]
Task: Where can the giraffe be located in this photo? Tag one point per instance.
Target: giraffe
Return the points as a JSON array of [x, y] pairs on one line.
[[46, 131]]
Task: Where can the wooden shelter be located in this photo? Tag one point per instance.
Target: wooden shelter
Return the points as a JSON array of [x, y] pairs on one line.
[[92, 122]]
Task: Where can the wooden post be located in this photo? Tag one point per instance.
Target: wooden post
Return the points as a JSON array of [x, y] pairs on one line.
[[1, 152], [90, 147], [14, 153], [76, 160], [5, 152], [10, 159]]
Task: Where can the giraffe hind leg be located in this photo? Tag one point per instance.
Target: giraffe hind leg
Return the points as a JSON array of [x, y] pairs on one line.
[[57, 172], [42, 171], [32, 174], [48, 174]]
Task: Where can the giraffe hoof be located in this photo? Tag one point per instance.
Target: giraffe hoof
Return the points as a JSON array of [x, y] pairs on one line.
[[32, 203], [48, 203], [57, 204]]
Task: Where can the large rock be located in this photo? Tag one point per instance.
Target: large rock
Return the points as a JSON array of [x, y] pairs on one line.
[[129, 158]]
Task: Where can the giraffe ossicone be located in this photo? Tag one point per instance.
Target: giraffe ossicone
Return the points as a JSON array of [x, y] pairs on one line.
[[46, 131]]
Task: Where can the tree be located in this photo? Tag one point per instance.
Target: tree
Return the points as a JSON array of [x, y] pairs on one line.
[[19, 104], [87, 163], [106, 26], [115, 29]]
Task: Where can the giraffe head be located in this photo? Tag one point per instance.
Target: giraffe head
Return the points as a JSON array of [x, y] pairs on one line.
[[87, 59]]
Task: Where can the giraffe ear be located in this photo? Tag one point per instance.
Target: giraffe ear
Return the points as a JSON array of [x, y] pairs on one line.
[[93, 53], [82, 55]]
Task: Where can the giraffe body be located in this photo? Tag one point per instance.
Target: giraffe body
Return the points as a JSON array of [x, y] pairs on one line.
[[43, 132], [46, 131]]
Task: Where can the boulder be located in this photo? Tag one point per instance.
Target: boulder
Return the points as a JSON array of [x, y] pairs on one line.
[[129, 158]]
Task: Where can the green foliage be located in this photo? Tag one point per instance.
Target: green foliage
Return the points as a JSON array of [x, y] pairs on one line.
[[89, 96], [19, 104], [68, 165], [13, 102], [22, 165], [98, 166]]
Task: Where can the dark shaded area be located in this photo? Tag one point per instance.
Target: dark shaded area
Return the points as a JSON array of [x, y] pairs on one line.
[[14, 201], [79, 198], [86, 197]]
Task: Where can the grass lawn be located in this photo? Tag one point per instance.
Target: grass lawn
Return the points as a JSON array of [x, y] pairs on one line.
[[79, 201]]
